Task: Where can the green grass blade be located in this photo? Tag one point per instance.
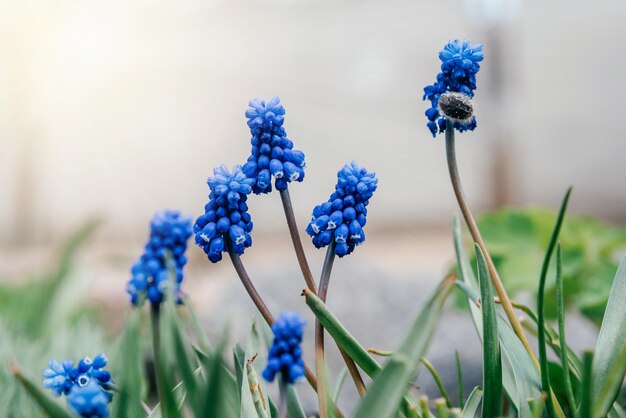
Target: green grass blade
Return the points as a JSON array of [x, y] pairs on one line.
[[538, 405], [385, 395], [606, 396], [128, 403], [184, 363], [433, 372], [586, 397], [341, 336], [339, 384], [492, 362], [612, 338], [473, 400], [294, 407], [543, 357], [253, 402], [49, 405], [459, 379], [239, 360], [214, 392], [560, 307]]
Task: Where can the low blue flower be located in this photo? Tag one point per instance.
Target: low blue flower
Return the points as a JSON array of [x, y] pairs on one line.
[[150, 275], [285, 355], [272, 154], [226, 220], [61, 378], [341, 219], [89, 400], [459, 66]]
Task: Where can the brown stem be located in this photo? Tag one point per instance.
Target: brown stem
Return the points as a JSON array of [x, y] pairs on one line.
[[297, 242], [476, 236]]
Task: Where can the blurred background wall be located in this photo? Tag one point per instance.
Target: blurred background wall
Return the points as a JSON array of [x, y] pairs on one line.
[[117, 109]]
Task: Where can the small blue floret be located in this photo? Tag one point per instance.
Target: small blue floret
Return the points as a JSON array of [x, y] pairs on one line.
[[341, 219], [150, 275], [226, 216], [285, 355], [272, 153], [459, 66]]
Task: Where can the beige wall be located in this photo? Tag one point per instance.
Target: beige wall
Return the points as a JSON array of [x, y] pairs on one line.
[[120, 108]]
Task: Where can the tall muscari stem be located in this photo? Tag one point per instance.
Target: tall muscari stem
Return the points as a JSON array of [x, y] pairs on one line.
[[319, 332], [476, 236], [297, 242]]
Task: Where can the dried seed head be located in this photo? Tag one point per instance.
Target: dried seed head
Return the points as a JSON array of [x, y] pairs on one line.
[[456, 106]]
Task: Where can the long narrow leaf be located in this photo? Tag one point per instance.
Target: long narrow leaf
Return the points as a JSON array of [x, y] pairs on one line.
[[471, 406], [129, 398], [560, 307], [612, 338], [543, 357], [49, 405], [492, 362]]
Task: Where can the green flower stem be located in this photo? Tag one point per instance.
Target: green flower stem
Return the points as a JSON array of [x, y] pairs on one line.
[[297, 242], [319, 332], [471, 224], [310, 283], [264, 310], [282, 400], [155, 319]]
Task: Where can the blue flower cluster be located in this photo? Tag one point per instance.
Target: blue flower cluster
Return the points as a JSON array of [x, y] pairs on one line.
[[169, 232], [86, 386], [459, 65], [272, 152], [226, 218], [285, 355], [60, 379], [341, 219]]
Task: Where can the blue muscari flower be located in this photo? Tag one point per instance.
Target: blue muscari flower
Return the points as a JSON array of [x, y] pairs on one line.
[[169, 232], [272, 152], [459, 65], [341, 219], [226, 218], [89, 400], [285, 355], [61, 378]]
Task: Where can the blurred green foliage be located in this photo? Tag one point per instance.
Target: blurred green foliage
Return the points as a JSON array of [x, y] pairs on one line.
[[517, 240], [43, 318]]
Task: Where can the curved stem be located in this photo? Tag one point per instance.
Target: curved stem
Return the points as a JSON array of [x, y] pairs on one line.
[[264, 310], [471, 224], [319, 332], [297, 242]]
